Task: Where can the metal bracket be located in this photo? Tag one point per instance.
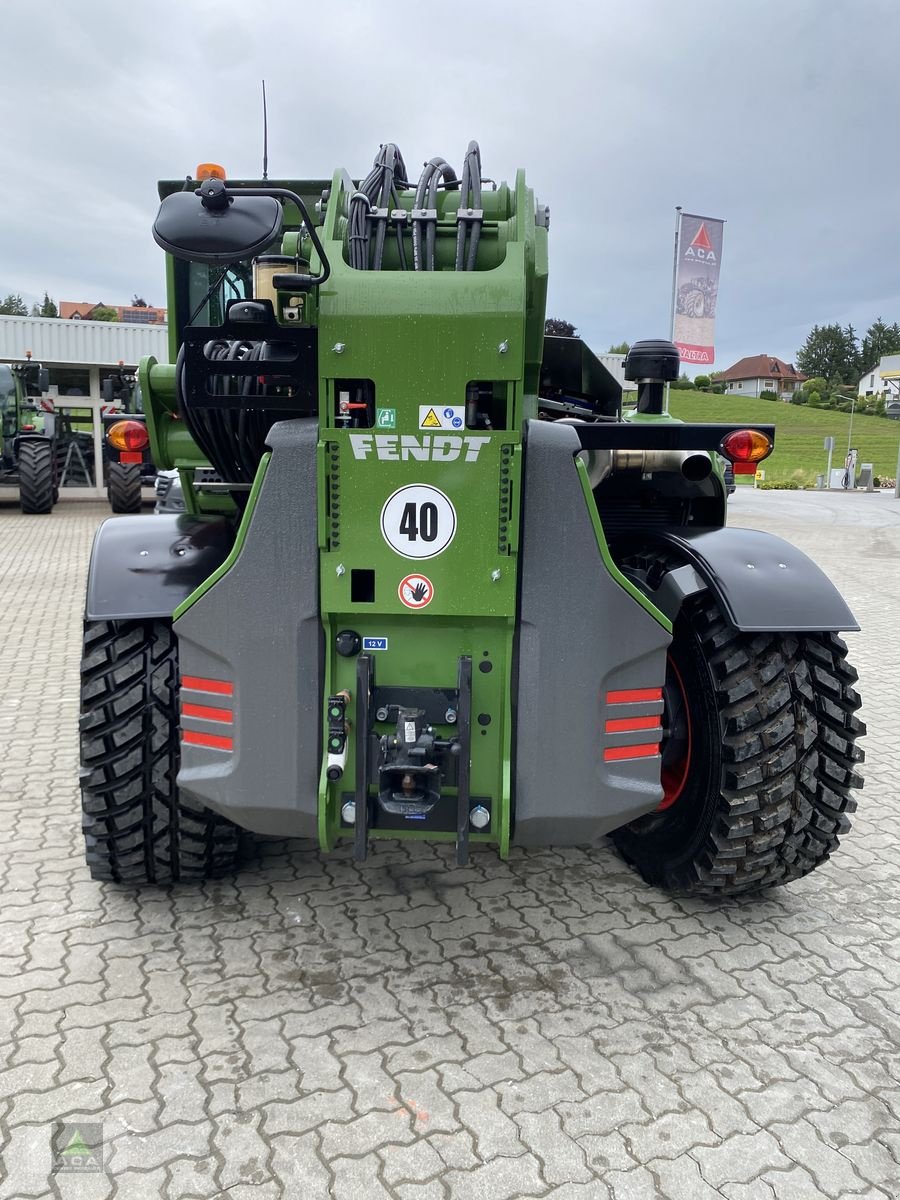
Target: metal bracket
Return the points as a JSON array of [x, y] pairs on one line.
[[363, 696], [465, 748], [434, 701]]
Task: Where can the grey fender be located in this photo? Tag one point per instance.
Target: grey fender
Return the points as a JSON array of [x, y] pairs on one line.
[[144, 566], [762, 582]]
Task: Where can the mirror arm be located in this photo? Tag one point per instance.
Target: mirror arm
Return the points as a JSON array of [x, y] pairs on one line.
[[314, 280]]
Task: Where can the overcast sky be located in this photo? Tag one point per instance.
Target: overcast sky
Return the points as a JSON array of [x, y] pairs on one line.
[[780, 116]]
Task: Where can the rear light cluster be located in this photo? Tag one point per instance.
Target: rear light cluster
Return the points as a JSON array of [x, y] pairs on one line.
[[745, 448], [128, 435]]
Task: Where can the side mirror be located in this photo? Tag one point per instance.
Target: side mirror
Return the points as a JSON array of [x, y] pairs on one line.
[[44, 380], [215, 226]]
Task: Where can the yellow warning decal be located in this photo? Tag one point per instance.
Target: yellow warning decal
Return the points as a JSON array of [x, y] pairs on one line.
[[430, 421]]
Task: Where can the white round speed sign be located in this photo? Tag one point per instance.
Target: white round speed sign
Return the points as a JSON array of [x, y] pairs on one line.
[[418, 521]]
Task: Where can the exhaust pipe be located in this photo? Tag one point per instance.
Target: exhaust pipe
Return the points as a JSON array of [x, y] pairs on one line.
[[692, 465]]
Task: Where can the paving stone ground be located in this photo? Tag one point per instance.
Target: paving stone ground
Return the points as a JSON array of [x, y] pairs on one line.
[[547, 1027]]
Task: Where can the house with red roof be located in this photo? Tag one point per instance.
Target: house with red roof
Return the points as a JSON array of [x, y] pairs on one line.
[[128, 314], [761, 373]]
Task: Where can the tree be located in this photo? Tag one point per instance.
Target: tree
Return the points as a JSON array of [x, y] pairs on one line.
[[814, 399], [138, 301], [13, 306], [619, 348], [702, 382], [683, 384], [102, 312], [559, 328], [816, 385], [880, 340], [48, 308], [35, 310], [832, 352]]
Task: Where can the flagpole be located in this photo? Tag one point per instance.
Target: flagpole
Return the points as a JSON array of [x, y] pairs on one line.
[[674, 285]]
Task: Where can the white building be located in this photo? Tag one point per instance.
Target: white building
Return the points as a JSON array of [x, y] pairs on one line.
[[79, 354], [761, 373], [873, 381], [885, 380], [615, 364]]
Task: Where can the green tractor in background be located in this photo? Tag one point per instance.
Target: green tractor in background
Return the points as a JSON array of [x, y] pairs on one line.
[[430, 583], [28, 454]]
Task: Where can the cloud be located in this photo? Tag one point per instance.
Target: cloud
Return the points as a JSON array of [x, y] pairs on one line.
[[776, 116]]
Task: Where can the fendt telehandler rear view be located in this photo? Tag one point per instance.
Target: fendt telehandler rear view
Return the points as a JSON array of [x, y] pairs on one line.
[[431, 583]]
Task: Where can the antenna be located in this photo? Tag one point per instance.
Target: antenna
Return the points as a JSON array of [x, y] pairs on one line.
[[265, 135]]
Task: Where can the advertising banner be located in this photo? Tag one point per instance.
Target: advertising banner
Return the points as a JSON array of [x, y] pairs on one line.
[[697, 288]]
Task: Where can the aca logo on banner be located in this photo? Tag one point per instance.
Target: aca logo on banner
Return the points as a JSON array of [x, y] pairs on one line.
[[697, 287]]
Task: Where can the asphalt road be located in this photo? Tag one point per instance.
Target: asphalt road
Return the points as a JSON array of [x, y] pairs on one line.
[[547, 1027]]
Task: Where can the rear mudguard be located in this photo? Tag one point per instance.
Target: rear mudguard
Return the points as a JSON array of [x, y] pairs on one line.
[[144, 567], [762, 582]]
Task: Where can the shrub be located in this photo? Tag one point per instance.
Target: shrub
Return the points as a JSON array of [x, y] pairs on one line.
[[767, 395]]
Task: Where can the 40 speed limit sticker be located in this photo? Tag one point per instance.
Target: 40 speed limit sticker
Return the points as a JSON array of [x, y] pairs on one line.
[[418, 521]]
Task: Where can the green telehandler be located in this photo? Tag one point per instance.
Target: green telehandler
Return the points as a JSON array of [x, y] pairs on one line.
[[430, 583]]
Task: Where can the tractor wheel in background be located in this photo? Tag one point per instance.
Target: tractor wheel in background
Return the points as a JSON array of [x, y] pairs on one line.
[[759, 758], [36, 476], [137, 827], [123, 487]]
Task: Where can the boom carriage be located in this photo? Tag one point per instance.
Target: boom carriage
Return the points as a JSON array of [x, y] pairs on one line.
[[439, 586]]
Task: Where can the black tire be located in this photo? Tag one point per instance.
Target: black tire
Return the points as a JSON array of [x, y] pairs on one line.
[[123, 487], [36, 475], [137, 827], [767, 777]]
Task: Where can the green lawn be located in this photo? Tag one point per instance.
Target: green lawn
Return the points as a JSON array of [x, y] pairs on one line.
[[799, 432]]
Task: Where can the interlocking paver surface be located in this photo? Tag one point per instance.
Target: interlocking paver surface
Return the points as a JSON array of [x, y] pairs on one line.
[[549, 1026]]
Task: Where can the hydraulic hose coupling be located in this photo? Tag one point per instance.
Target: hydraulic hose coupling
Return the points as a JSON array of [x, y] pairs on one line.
[[652, 364]]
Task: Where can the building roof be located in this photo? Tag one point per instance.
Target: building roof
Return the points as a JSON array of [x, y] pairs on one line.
[[760, 366], [129, 313], [96, 343]]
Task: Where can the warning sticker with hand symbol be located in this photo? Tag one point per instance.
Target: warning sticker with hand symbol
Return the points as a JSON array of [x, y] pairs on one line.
[[415, 591]]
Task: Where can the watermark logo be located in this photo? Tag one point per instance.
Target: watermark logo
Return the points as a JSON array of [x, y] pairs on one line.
[[78, 1148]]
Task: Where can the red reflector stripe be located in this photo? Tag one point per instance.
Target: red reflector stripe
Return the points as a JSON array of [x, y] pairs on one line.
[[635, 696], [206, 739], [745, 468], [617, 752], [630, 724], [131, 456], [193, 683], [207, 714]]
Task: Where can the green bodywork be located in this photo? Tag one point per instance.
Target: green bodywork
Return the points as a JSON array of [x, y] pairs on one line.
[[421, 338]]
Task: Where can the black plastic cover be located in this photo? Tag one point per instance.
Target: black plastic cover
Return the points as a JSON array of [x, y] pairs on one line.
[[144, 567], [187, 229]]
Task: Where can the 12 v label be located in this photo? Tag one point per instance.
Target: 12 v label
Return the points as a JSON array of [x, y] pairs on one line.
[[418, 521]]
